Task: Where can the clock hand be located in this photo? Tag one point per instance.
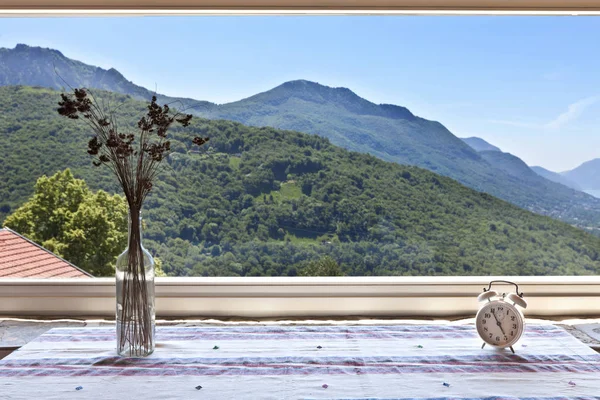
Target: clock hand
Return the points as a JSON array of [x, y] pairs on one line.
[[498, 323]]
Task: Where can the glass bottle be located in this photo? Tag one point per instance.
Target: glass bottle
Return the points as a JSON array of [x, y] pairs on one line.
[[135, 313]]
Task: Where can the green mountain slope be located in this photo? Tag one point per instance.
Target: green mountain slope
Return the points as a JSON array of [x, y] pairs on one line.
[[555, 177], [389, 132], [587, 175], [261, 201], [514, 166], [394, 134]]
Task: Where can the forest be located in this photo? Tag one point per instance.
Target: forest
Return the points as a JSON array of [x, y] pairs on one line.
[[268, 202]]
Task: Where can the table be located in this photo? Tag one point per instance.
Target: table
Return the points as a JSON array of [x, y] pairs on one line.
[[304, 362]]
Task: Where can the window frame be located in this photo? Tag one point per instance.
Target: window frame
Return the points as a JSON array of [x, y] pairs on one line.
[[410, 297], [227, 7], [299, 297]]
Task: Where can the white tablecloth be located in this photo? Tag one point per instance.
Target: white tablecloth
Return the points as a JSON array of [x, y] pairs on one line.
[[304, 362]]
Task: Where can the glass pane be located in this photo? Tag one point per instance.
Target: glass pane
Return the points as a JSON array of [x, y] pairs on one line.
[[346, 145]]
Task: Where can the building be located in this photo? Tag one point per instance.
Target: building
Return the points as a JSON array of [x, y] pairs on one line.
[[22, 258]]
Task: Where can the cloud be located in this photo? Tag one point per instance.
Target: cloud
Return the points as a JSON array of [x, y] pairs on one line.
[[573, 112]]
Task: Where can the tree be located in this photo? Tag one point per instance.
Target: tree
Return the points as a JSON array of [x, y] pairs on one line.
[[325, 266], [63, 215]]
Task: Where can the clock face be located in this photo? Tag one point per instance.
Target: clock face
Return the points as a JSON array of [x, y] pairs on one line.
[[499, 323]]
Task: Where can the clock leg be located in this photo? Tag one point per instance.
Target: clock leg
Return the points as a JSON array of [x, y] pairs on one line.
[[511, 349], [483, 345]]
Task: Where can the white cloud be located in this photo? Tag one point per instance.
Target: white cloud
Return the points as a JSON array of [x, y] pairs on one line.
[[573, 112]]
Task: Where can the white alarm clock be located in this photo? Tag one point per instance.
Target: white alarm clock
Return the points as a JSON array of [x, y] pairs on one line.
[[499, 322]]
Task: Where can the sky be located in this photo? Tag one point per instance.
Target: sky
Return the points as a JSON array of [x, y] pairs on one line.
[[529, 85]]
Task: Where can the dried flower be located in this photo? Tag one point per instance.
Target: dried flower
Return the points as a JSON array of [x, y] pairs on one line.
[[134, 158], [134, 164]]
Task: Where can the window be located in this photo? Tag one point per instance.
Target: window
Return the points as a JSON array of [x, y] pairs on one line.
[[339, 145]]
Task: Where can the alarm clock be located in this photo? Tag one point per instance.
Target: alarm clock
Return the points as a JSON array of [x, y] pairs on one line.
[[500, 323]]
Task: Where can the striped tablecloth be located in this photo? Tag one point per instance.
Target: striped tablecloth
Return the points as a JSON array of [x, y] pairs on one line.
[[304, 362]]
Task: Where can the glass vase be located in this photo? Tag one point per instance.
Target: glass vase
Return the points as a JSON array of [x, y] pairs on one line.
[[135, 294]]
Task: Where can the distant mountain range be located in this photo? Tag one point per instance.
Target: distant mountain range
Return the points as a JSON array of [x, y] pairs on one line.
[[389, 132], [515, 166], [478, 144], [556, 177], [584, 177], [36, 66], [587, 175]]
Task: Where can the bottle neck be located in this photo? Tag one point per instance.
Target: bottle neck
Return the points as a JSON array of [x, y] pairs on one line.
[[135, 224]]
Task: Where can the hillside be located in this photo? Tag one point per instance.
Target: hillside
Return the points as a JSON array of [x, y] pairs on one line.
[[555, 177], [37, 66], [516, 167], [513, 166], [392, 133], [389, 132], [261, 201], [587, 175], [478, 144]]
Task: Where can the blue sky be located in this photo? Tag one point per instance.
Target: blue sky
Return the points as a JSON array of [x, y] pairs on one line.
[[530, 85]]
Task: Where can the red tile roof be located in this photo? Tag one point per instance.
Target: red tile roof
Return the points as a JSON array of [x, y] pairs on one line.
[[21, 258]]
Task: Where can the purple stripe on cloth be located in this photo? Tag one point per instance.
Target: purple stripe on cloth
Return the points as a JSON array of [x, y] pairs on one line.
[[265, 329], [274, 370], [267, 333], [114, 361]]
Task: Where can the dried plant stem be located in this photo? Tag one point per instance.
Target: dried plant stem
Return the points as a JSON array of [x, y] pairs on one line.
[[136, 331], [135, 163]]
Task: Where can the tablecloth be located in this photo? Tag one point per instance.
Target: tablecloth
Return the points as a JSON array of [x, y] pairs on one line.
[[304, 362]]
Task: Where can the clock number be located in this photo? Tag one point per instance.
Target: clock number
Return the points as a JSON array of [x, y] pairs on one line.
[[487, 315], [514, 326], [507, 312], [493, 310], [512, 318], [483, 321], [505, 338], [500, 308], [485, 329], [512, 333], [497, 338], [491, 335]]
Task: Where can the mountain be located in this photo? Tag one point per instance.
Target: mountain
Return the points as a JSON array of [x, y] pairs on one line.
[[390, 132], [555, 177], [514, 166], [393, 133], [517, 169], [262, 201], [478, 144], [587, 175], [37, 66]]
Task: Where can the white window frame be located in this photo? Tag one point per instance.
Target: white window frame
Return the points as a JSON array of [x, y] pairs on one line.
[[423, 297], [406, 297]]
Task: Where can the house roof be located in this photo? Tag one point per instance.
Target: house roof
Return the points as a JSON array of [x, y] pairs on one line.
[[22, 258]]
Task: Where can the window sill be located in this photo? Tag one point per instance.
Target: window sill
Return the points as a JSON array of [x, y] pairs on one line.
[[404, 297]]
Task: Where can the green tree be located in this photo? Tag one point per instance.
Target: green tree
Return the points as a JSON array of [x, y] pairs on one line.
[[325, 266], [63, 215], [158, 271]]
